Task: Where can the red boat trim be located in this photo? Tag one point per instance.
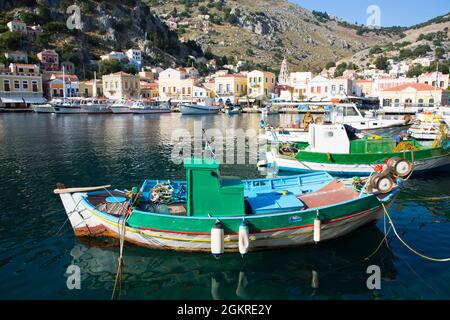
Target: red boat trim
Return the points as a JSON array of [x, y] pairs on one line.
[[262, 231]]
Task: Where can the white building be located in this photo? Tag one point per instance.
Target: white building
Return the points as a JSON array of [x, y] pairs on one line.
[[135, 58]]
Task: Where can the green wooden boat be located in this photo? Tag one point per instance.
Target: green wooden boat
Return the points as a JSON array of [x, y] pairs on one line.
[[210, 212], [330, 149]]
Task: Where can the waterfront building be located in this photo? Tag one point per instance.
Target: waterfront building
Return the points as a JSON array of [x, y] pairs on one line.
[[149, 90], [260, 84], [49, 60], [201, 92], [414, 94], [54, 88], [87, 88], [230, 87], [364, 88], [435, 79], [176, 84], [121, 85], [317, 89], [384, 83], [17, 56], [146, 75], [20, 86], [17, 26], [340, 87]]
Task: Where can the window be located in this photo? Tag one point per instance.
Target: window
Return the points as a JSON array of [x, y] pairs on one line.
[[341, 88], [228, 88], [6, 86], [431, 102], [333, 88], [35, 86], [441, 84], [387, 102], [420, 102], [351, 112], [16, 84], [25, 84], [220, 88], [267, 80], [189, 90], [397, 102], [164, 89], [183, 90], [312, 89], [319, 89]]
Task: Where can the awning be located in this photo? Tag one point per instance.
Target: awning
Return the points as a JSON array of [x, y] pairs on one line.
[[12, 100], [35, 100]]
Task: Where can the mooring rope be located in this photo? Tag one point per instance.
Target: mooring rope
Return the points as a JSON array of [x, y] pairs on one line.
[[407, 245]]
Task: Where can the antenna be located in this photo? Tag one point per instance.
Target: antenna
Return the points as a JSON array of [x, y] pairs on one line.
[[207, 145]]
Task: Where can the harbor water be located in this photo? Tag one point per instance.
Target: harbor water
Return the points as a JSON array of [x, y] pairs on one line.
[[37, 246]]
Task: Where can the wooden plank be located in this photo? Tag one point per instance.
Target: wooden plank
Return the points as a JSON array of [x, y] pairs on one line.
[[73, 190]]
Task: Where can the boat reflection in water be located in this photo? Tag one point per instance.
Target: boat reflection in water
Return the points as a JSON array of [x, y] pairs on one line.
[[329, 270]]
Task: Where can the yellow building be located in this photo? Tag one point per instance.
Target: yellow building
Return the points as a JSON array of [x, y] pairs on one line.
[[87, 88], [149, 90], [230, 87], [121, 85], [260, 83], [414, 94], [20, 86], [176, 84]]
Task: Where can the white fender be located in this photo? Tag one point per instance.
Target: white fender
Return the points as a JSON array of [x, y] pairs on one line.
[[217, 240], [244, 242], [317, 225]]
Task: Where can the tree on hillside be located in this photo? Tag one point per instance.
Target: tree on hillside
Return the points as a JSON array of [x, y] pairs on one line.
[[330, 64], [109, 66], [381, 63], [415, 71]]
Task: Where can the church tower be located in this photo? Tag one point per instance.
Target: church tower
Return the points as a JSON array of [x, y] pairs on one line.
[[283, 78]]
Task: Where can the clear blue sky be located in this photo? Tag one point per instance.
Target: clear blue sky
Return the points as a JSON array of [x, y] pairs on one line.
[[393, 12]]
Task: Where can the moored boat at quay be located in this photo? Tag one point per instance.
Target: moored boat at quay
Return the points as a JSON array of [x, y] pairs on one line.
[[67, 106], [43, 108], [331, 148], [212, 213], [122, 106], [142, 107], [95, 105]]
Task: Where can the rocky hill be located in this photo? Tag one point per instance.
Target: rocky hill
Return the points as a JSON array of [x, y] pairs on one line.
[[265, 31], [170, 32]]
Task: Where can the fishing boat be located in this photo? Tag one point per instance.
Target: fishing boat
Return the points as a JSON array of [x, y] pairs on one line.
[[121, 106], [141, 107], [211, 212], [334, 149], [428, 126]]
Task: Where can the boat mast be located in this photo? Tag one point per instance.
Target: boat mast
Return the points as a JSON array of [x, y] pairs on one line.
[[94, 88], [64, 83]]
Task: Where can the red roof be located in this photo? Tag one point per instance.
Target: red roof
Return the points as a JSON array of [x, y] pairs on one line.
[[416, 86]]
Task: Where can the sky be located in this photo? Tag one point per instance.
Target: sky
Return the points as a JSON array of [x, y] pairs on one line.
[[392, 12]]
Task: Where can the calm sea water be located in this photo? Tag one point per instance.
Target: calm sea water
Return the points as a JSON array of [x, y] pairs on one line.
[[38, 150]]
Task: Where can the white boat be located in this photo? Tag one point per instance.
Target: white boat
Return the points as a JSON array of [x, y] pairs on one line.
[[406, 109], [202, 107], [43, 108], [338, 114], [121, 106], [267, 111], [67, 106], [95, 105], [140, 107], [428, 126]]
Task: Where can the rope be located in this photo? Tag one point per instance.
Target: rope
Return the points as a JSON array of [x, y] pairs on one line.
[[122, 229], [407, 245]]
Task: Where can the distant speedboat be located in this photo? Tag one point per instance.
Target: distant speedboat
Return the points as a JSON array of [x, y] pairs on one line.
[[140, 107], [121, 106], [198, 108], [95, 105]]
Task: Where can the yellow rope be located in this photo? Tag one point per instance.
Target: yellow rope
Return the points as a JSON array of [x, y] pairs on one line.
[[408, 246]]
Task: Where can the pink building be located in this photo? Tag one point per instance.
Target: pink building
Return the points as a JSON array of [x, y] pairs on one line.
[[49, 59]]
